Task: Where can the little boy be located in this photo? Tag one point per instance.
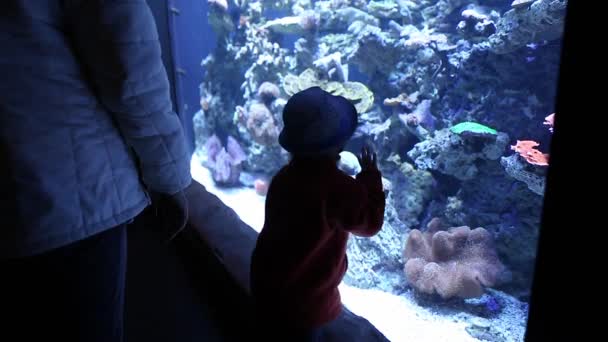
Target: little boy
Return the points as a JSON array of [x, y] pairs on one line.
[[311, 207]]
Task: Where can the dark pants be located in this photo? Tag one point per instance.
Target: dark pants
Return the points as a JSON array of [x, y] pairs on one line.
[[73, 293]]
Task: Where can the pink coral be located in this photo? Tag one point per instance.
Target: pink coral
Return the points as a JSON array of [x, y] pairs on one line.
[[261, 125], [261, 187], [526, 149], [268, 92], [420, 116], [458, 262]]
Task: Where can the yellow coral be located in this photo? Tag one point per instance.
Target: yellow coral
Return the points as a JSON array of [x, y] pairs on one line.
[[290, 84], [356, 92], [334, 88]]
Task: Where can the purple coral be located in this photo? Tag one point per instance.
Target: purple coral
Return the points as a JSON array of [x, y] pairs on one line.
[[212, 147], [225, 162], [223, 169], [235, 151]]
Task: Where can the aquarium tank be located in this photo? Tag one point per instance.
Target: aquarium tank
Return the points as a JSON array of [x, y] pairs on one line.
[[456, 97]]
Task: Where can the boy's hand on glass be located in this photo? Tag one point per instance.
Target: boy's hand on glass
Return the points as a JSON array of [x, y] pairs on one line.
[[367, 159]]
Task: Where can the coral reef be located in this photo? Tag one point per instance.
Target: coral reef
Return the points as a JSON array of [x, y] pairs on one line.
[[533, 171], [356, 92], [260, 123], [424, 76], [415, 190], [373, 262], [458, 262], [342, 18], [477, 23], [534, 177], [306, 22], [225, 163], [268, 92], [506, 208], [529, 22], [458, 155], [527, 150], [384, 9], [374, 49], [420, 122]]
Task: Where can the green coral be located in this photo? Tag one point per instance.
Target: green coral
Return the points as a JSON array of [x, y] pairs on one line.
[[356, 92], [472, 127], [418, 179]]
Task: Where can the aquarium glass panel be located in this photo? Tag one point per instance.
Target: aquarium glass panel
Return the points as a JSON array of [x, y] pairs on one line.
[[456, 97]]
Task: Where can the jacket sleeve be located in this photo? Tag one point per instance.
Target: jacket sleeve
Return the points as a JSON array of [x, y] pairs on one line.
[[117, 43], [358, 204]]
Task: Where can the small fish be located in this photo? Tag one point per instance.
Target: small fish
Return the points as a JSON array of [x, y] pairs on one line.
[[530, 59], [532, 46]]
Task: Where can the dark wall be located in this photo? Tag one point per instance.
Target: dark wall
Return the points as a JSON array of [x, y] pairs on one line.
[[186, 39]]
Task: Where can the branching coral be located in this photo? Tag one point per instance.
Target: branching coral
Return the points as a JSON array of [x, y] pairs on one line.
[[527, 149]]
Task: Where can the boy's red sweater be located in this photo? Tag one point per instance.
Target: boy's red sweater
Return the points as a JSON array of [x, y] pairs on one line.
[[300, 256]]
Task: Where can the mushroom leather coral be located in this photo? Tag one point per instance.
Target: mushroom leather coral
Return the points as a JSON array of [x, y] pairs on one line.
[[458, 262]]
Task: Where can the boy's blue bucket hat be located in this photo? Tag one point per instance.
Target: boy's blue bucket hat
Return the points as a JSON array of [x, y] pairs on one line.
[[316, 121]]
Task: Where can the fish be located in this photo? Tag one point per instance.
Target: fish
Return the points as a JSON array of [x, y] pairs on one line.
[[532, 46]]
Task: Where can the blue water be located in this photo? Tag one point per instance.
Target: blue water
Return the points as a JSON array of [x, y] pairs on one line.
[[495, 72]]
